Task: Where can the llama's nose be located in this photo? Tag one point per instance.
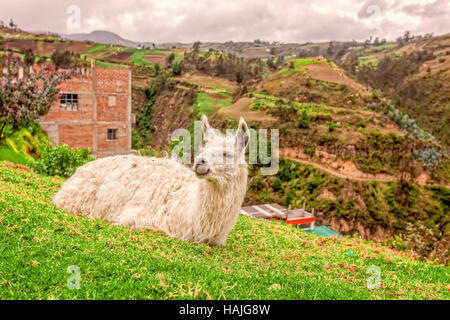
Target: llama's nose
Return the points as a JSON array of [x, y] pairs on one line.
[[201, 166]]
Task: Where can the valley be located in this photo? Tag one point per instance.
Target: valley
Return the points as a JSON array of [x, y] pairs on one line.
[[370, 156]]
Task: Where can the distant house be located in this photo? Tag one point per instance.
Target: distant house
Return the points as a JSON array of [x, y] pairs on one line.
[[93, 111]]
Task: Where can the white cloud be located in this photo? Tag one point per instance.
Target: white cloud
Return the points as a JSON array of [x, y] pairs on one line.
[[238, 20]]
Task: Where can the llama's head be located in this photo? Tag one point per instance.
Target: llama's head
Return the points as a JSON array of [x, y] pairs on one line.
[[223, 156]]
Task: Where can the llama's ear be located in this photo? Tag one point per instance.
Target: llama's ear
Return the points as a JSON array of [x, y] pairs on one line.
[[242, 135], [205, 124], [209, 133]]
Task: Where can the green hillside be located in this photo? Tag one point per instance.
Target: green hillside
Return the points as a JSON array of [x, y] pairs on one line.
[[260, 261], [22, 146]]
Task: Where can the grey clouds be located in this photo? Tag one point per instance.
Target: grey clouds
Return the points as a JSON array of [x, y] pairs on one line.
[[244, 20]]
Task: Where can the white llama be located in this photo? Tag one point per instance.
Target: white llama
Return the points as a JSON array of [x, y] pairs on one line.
[[199, 204]]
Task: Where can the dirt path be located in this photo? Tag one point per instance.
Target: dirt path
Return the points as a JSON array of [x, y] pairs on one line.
[[242, 109], [349, 171]]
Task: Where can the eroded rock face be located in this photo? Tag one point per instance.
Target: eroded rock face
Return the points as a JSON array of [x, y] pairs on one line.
[[326, 195]]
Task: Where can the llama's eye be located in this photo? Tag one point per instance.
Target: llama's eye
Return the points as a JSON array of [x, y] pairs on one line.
[[227, 155]]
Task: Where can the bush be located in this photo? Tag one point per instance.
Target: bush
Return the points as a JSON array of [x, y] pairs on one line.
[[60, 160], [62, 59], [310, 151], [429, 157], [303, 122], [331, 126], [148, 151], [277, 184]]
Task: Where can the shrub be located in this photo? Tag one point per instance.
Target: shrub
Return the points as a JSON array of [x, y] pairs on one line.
[[62, 59], [303, 122], [361, 124], [60, 160], [277, 184], [327, 140], [170, 58], [23, 101], [176, 68], [148, 151], [331, 126], [310, 151], [429, 157], [290, 196]]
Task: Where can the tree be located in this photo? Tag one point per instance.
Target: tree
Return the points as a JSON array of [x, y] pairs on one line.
[[28, 57], [12, 25], [157, 68], [170, 58], [303, 122], [62, 59], [315, 50], [400, 41], [239, 77], [196, 47], [408, 170], [407, 37], [330, 50], [177, 68], [24, 100]]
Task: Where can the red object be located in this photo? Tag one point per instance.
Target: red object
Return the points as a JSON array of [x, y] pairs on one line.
[[300, 220]]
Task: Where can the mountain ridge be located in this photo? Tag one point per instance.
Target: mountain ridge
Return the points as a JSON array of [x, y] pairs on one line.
[[105, 37]]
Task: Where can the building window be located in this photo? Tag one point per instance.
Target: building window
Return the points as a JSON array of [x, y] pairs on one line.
[[113, 134], [69, 101], [112, 101]]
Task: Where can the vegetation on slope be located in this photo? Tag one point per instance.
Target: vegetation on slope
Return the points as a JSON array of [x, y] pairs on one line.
[[261, 260], [405, 216], [22, 146]]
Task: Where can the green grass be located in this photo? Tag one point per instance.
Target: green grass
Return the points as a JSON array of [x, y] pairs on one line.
[[207, 103], [139, 55], [305, 61], [263, 101], [365, 59], [382, 47], [288, 72], [95, 49], [260, 261], [104, 64], [22, 145]]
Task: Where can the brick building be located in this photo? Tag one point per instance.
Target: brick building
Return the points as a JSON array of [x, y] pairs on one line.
[[93, 111]]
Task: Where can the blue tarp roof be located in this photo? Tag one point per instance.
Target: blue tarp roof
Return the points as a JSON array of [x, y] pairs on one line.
[[324, 231]]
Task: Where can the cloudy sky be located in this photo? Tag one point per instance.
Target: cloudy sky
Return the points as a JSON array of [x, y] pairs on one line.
[[240, 20]]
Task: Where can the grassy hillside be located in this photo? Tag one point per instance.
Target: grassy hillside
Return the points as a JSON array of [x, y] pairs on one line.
[[324, 116], [260, 261], [22, 146], [414, 75]]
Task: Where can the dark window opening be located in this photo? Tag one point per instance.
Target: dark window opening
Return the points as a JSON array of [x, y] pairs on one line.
[[69, 101], [113, 134]]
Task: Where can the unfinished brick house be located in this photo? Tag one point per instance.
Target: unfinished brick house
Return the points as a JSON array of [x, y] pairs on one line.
[[93, 111]]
